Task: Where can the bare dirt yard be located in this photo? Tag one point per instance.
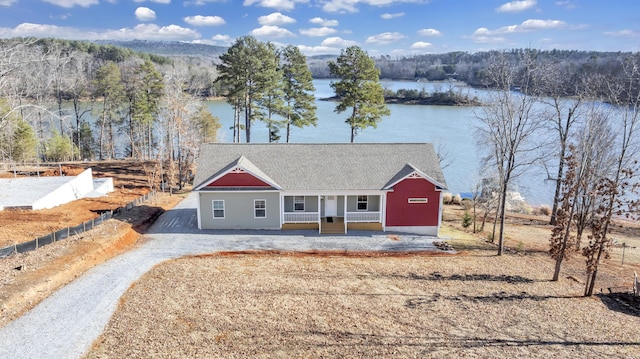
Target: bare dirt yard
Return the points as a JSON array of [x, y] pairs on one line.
[[129, 182], [28, 278], [472, 304]]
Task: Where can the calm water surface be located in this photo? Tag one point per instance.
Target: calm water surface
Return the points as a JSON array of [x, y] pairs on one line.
[[450, 128]]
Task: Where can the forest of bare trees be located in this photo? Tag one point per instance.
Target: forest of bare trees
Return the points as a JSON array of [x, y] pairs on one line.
[[589, 141], [69, 100]]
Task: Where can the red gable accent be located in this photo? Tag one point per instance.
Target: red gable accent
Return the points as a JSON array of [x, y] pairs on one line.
[[238, 179], [402, 213]]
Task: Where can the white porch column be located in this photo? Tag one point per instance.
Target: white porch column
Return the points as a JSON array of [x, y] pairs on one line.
[[319, 214], [383, 211], [281, 210], [344, 212]]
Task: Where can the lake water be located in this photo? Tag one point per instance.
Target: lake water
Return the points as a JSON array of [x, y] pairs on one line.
[[451, 129]]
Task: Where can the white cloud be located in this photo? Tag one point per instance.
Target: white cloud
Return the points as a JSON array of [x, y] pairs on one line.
[[222, 40], [318, 50], [623, 33], [142, 31], [517, 6], [421, 45], [275, 4], [337, 42], [271, 31], [566, 4], [145, 14], [203, 2], [323, 22], [429, 33], [330, 45], [388, 16], [385, 38], [153, 32], [343, 6], [200, 20], [318, 31], [276, 18], [156, 1], [72, 3], [525, 26], [7, 2], [534, 24]]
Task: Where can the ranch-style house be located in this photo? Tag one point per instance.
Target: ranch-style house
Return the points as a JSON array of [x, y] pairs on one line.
[[331, 188]]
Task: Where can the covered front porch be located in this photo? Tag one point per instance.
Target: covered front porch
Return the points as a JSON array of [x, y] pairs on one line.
[[333, 213]]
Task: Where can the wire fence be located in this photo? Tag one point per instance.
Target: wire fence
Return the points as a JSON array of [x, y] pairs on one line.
[[72, 231]]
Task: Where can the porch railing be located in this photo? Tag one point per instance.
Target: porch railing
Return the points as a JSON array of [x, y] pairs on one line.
[[301, 217], [363, 217]]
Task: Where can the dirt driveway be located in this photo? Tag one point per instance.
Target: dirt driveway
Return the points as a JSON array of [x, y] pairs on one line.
[[65, 324]]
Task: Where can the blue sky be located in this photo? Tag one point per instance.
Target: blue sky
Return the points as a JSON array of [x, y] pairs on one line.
[[382, 27]]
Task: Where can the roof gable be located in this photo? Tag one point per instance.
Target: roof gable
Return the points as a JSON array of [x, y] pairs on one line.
[[335, 166], [411, 172], [239, 173]]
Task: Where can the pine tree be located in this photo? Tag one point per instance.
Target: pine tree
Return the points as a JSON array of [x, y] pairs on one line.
[[299, 102], [359, 89]]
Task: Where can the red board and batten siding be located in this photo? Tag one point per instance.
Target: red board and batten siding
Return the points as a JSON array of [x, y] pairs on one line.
[[402, 213], [238, 180]]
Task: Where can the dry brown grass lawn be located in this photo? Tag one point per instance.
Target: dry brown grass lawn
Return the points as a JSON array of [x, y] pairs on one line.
[[473, 304], [265, 306]]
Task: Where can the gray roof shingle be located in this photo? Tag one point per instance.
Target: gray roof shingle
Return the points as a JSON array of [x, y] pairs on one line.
[[331, 166]]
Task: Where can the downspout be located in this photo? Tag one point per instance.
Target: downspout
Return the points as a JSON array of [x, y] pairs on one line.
[[439, 213], [198, 211], [281, 209]]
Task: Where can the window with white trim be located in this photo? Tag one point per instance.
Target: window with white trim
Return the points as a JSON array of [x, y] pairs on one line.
[[218, 208], [418, 200], [298, 203], [259, 208], [362, 203]]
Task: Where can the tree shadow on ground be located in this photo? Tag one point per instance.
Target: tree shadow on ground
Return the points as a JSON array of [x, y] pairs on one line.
[[420, 301], [433, 341], [622, 302], [511, 279]]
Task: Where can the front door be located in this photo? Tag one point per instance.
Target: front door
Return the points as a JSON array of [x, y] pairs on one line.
[[330, 206]]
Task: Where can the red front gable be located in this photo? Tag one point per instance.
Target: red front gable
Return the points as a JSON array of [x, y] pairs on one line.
[[238, 178], [400, 212]]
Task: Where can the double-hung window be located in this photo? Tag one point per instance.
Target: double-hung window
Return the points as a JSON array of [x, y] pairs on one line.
[[218, 208], [362, 204], [259, 208], [298, 203]]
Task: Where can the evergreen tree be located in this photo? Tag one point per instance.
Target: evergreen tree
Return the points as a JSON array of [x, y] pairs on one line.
[[108, 86], [246, 73], [59, 148], [270, 99], [299, 107], [146, 105], [359, 89]]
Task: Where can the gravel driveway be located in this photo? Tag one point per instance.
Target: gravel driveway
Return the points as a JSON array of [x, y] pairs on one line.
[[65, 324]]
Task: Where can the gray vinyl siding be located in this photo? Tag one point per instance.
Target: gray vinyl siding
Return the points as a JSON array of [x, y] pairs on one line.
[[310, 203], [373, 204], [239, 210]]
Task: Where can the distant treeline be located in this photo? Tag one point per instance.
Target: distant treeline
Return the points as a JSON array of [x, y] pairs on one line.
[[472, 68]]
